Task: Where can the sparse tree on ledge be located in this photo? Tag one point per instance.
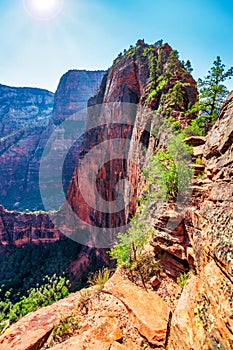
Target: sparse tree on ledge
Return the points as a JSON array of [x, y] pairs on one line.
[[187, 66], [212, 91]]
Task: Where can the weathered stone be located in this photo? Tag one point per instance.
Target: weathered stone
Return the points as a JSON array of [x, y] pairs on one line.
[[155, 281], [195, 141], [221, 135], [203, 317], [105, 333], [126, 346], [32, 330], [198, 151], [149, 312]]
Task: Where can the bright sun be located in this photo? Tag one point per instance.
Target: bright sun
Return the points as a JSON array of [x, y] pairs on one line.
[[43, 9]]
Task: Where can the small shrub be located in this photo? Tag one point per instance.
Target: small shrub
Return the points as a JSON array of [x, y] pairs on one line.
[[65, 328], [199, 161], [99, 278], [147, 264], [84, 300], [201, 175], [168, 173], [196, 128], [130, 243], [55, 288], [182, 279]]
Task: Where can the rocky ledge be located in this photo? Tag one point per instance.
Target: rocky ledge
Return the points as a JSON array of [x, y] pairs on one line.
[[121, 316]]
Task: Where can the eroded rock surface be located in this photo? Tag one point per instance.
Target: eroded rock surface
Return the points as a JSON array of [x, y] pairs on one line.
[[149, 313], [203, 318]]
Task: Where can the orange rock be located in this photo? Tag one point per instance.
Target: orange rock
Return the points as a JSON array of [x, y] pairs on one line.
[[155, 280], [33, 329], [203, 317], [127, 346], [149, 313], [106, 332]]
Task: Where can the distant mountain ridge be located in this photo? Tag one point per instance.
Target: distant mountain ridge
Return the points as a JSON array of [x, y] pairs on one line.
[[21, 107]]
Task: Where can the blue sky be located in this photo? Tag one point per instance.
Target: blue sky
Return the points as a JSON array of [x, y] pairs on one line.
[[90, 34]]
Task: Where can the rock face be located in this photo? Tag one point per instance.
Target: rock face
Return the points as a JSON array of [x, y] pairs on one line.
[[21, 108], [102, 320], [23, 228], [203, 319], [148, 311], [25, 115], [201, 236], [40, 324], [144, 77], [26, 123], [74, 90]]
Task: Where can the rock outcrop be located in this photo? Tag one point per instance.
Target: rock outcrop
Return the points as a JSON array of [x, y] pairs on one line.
[[149, 313], [22, 228], [203, 318], [198, 240], [145, 77], [102, 320]]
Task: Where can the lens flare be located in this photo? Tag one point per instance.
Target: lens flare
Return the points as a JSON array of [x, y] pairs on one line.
[[43, 9]]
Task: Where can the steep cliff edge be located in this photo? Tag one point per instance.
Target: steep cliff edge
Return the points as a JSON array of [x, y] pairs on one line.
[[203, 318], [146, 77]]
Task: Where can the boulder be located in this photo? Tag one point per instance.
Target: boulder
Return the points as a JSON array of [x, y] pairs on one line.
[[149, 313], [195, 141]]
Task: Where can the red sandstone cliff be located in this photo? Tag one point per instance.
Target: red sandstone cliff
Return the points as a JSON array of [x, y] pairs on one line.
[[144, 78], [203, 318]]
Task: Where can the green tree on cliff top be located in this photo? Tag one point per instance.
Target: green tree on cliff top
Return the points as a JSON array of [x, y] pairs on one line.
[[212, 92]]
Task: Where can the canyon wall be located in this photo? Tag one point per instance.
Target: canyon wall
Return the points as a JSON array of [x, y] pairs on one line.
[[73, 91], [25, 228], [200, 237], [23, 107], [144, 78], [203, 318], [27, 119]]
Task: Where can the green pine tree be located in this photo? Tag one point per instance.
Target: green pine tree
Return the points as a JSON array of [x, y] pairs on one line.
[[212, 92]]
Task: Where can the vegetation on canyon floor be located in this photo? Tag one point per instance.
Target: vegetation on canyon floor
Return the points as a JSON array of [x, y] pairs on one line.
[[34, 276]]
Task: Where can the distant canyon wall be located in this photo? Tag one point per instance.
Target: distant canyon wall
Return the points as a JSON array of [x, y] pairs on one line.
[[27, 119]]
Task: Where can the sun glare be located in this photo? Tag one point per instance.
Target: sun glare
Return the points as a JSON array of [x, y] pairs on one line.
[[43, 9]]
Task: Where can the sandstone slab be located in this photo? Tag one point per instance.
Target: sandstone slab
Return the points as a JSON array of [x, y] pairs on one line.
[[32, 330], [149, 313], [100, 337], [203, 317]]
